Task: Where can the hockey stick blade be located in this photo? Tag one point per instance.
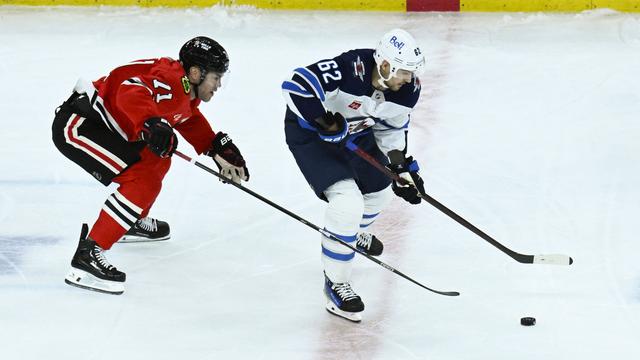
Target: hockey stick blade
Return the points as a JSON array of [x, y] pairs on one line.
[[553, 259], [445, 293], [384, 265], [543, 259]]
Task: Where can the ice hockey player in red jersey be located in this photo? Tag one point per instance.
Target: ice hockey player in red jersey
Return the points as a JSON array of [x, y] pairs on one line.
[[121, 129]]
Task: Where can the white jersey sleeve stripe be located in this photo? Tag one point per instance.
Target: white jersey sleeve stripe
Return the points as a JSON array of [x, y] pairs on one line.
[[137, 82]]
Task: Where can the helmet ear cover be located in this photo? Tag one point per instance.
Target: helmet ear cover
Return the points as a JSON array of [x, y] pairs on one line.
[[203, 74]]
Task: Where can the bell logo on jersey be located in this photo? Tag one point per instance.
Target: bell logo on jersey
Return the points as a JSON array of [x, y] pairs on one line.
[[355, 105], [394, 41], [186, 85]]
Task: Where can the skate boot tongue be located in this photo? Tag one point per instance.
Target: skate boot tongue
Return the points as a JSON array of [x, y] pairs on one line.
[[364, 240], [149, 224], [99, 257], [345, 291], [369, 244]]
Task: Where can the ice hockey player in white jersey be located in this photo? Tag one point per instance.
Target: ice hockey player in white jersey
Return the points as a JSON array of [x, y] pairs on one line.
[[364, 96]]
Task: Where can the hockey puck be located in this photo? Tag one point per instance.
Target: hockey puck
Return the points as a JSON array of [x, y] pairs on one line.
[[528, 321]]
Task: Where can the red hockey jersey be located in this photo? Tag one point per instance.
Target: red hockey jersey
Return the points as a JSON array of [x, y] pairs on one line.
[[143, 89]]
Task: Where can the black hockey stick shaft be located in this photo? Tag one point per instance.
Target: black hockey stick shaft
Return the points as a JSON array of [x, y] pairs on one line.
[[309, 224], [522, 258]]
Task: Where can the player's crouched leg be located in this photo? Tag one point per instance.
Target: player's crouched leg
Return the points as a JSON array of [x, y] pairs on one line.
[[148, 174], [374, 203], [342, 220]]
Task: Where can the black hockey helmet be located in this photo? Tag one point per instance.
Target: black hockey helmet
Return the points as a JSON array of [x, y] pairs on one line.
[[206, 53]]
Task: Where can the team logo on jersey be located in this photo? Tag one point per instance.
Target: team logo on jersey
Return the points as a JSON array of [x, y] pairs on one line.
[[202, 45], [360, 125], [186, 85], [358, 68], [416, 83], [355, 105]]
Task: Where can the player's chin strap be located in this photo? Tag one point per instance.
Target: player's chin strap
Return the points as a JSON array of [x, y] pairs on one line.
[[381, 78]]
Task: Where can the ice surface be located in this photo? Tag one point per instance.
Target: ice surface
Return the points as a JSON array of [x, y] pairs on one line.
[[527, 127]]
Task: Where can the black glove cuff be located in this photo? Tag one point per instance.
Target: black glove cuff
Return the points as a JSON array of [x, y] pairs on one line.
[[223, 146], [329, 120], [220, 142]]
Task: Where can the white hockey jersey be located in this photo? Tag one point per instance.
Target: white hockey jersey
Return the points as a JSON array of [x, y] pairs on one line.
[[343, 84]]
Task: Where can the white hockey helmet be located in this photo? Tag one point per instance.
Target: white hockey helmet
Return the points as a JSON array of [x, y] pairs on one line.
[[401, 51]]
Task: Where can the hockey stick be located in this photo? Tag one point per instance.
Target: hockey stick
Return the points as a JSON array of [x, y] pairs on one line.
[[315, 227], [552, 259]]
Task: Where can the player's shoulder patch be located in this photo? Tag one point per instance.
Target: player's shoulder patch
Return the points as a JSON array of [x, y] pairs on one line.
[[186, 85], [359, 68], [357, 63]]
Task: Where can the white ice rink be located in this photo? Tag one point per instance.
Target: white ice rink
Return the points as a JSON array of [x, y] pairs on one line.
[[528, 126]]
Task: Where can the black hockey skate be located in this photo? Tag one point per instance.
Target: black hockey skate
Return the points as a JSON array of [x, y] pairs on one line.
[[369, 244], [342, 300], [147, 229], [90, 269]]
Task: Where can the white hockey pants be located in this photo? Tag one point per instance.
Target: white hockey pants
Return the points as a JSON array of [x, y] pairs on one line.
[[348, 212]]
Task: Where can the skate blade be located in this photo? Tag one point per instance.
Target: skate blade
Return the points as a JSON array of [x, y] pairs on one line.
[[127, 239], [84, 280], [351, 316]]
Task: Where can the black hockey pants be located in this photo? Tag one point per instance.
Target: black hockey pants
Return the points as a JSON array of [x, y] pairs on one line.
[[81, 134]]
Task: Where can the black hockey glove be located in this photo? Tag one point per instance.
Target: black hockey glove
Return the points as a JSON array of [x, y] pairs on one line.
[[228, 158], [332, 127], [408, 170], [159, 136]]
